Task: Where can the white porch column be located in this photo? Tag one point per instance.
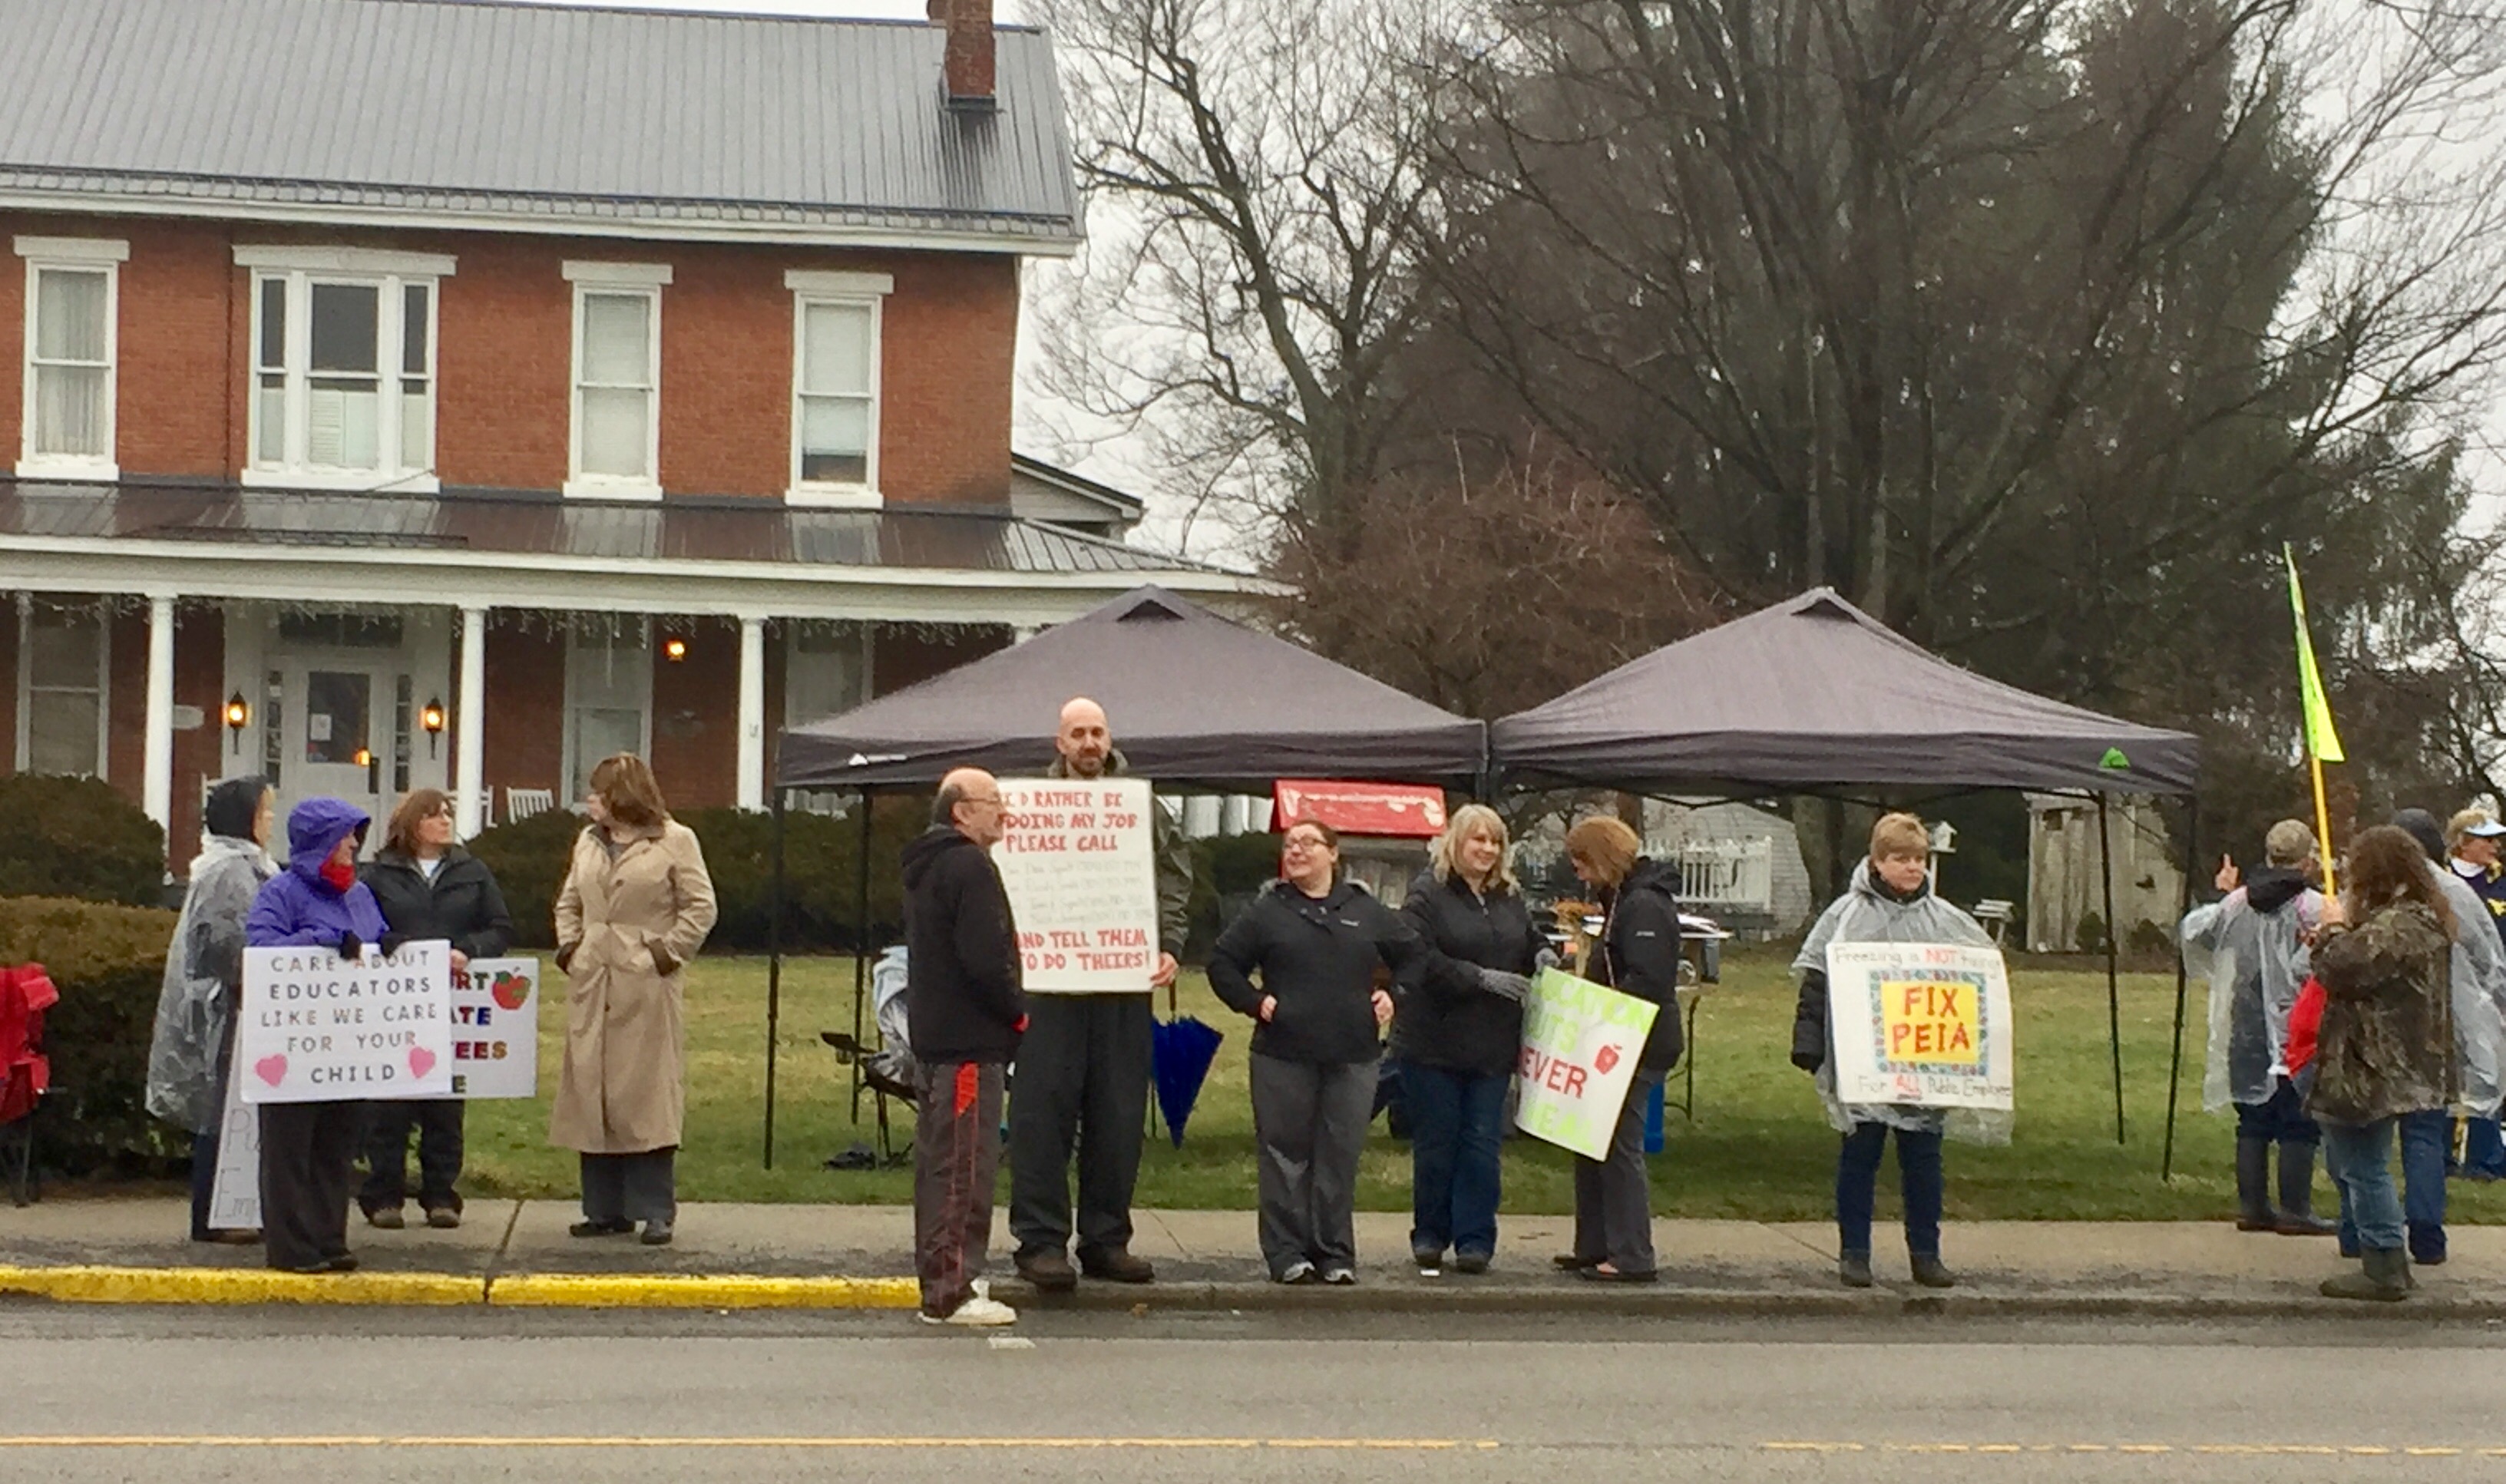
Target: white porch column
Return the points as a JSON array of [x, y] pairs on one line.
[[470, 714], [157, 770], [752, 713]]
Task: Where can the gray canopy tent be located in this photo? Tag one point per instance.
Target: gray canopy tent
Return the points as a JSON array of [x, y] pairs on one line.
[[1814, 697], [1198, 702]]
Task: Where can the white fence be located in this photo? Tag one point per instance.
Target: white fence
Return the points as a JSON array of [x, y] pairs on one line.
[[1729, 874]]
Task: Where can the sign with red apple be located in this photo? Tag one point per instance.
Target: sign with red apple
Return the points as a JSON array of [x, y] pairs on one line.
[[1580, 1041], [496, 1029]]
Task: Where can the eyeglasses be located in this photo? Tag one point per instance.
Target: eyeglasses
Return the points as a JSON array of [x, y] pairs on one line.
[[1301, 843], [994, 800]]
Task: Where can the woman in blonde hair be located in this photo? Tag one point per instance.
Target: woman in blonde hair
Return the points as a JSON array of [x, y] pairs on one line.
[[1636, 954], [636, 905], [1890, 900], [1458, 1035]]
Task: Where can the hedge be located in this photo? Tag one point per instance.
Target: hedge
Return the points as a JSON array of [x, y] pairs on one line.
[[109, 963], [820, 854], [77, 837]]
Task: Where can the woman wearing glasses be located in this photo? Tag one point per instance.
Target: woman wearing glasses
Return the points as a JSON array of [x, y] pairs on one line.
[[1316, 943]]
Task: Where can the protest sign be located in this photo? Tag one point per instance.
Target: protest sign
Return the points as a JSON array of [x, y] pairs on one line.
[[1926, 1024], [235, 1195], [1580, 1045], [1080, 864], [317, 1028], [496, 1029]]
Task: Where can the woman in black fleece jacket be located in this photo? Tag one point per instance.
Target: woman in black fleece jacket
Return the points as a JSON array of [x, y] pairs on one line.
[[1316, 941]]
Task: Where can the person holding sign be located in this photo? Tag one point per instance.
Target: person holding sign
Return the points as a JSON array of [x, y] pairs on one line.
[[965, 1011], [1316, 941], [428, 887], [192, 1049], [1083, 1076], [636, 905], [1890, 900], [1458, 1035], [1636, 954], [308, 1149]]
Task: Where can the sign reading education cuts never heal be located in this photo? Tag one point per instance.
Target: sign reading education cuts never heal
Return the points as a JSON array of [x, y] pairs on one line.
[[318, 1028], [1079, 862], [1580, 1046]]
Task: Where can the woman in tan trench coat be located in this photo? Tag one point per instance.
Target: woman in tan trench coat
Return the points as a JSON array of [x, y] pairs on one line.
[[636, 905]]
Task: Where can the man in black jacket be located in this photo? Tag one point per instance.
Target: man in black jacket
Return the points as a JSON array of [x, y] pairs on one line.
[[966, 1009]]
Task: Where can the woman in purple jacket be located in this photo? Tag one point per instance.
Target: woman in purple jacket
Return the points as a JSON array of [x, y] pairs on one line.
[[306, 1148]]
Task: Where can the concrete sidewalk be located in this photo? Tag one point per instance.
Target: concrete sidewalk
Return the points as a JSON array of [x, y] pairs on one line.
[[738, 1255]]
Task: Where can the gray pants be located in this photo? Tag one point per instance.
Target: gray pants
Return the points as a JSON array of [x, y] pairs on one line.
[[1613, 1198], [1083, 1081], [1309, 1123], [956, 1154], [631, 1187]]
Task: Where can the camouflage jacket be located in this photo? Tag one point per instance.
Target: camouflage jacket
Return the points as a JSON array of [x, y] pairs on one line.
[[2386, 1045], [1174, 861]]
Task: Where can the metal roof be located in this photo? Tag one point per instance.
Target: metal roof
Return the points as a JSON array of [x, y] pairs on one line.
[[706, 530], [576, 117]]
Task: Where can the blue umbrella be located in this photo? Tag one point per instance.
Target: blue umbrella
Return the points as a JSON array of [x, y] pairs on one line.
[[1181, 1049]]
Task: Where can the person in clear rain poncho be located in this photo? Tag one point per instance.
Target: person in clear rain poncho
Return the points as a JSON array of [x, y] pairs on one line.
[[196, 1014], [2256, 941], [1890, 900]]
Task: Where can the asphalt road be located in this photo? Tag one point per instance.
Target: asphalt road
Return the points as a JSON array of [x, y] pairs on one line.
[[346, 1396]]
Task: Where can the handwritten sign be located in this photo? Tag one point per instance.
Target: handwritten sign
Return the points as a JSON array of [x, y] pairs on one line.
[[1080, 864], [317, 1028], [496, 1029], [1925, 1024], [1580, 1045], [235, 1194]]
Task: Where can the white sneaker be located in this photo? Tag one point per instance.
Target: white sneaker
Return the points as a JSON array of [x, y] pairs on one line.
[[977, 1312], [1296, 1273], [1339, 1277]]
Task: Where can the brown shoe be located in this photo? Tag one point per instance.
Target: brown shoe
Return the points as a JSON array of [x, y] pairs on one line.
[[1117, 1265], [443, 1218], [1049, 1272]]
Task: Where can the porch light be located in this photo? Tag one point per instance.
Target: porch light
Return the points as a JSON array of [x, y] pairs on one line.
[[430, 719], [237, 713], [674, 649]]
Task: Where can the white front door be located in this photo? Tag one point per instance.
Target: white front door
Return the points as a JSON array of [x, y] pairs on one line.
[[339, 732]]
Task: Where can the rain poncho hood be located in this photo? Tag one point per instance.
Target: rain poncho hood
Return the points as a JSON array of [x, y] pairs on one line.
[[203, 972], [1867, 914], [2255, 942]]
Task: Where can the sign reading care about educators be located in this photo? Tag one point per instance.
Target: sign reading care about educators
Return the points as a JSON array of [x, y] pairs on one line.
[[1926, 1024], [318, 1028], [1078, 859], [1580, 1045]]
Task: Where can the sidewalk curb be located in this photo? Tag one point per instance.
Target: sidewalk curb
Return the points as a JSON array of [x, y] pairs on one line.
[[644, 1291], [86, 1284]]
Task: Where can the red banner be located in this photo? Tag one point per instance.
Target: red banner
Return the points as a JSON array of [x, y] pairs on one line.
[[1385, 810]]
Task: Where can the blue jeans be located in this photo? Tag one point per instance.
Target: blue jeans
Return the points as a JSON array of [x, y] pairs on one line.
[[2426, 1137], [1456, 1127], [2484, 1150], [2359, 1157], [1857, 1182]]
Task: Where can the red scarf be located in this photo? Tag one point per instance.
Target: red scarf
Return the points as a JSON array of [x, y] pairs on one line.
[[340, 874]]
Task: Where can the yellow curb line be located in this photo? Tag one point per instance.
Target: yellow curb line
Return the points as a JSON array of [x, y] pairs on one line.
[[237, 1285], [89, 1285], [646, 1290]]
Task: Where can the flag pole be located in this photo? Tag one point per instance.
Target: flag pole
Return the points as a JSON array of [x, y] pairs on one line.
[[2323, 824]]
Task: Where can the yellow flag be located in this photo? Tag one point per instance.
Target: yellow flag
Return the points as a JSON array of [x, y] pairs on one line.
[[2322, 743]]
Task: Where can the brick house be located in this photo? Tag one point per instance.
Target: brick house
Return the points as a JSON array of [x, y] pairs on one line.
[[388, 417]]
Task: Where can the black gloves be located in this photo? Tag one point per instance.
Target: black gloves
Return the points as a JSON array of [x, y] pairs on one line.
[[392, 943], [350, 945], [1809, 1061], [566, 956]]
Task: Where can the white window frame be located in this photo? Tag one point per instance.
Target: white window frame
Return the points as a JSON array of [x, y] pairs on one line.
[[622, 279], [568, 764], [25, 739], [389, 274], [850, 290], [74, 255]]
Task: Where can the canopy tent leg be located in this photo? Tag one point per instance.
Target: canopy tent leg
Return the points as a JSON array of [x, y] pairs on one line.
[[2114, 968], [2175, 1060], [861, 941], [773, 973]]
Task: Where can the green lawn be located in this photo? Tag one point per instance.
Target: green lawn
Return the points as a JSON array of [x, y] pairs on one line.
[[1757, 1148]]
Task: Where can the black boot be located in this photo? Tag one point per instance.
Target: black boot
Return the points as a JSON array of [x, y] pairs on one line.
[[2297, 1217], [2253, 1186]]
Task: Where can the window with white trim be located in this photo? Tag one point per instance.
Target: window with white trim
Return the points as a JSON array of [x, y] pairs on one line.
[[826, 670], [62, 663], [608, 696], [72, 307], [343, 368], [617, 442], [834, 386]]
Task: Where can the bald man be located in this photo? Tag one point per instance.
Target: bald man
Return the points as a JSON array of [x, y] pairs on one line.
[[1083, 1077], [965, 1006]]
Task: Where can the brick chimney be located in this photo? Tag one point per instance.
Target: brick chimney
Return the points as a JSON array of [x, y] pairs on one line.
[[968, 68]]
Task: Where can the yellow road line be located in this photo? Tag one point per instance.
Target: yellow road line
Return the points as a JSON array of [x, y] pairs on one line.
[[1347, 1444], [2303, 1450]]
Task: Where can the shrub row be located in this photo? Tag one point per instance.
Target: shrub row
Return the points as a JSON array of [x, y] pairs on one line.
[[77, 837], [109, 963]]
